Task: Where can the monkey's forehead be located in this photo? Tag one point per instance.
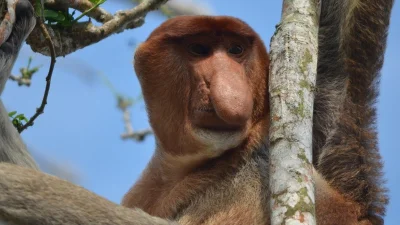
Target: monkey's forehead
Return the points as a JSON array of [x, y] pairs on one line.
[[182, 26]]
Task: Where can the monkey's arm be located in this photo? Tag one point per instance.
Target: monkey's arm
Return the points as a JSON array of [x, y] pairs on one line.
[[352, 41], [12, 148], [31, 197]]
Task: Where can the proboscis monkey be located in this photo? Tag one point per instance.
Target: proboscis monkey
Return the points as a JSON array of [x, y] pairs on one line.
[[204, 80], [217, 170]]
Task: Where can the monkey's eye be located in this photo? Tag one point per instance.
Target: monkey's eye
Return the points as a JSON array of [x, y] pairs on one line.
[[199, 49], [235, 50]]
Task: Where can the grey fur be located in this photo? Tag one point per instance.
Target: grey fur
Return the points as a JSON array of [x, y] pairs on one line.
[[12, 148]]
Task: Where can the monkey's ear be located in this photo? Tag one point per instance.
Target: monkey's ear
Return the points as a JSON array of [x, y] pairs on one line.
[[138, 46]]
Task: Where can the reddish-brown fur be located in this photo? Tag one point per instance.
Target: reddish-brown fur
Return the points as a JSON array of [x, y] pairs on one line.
[[207, 181], [174, 91], [210, 116]]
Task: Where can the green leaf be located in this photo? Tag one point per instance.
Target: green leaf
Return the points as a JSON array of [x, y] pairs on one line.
[[20, 117], [11, 114], [57, 16]]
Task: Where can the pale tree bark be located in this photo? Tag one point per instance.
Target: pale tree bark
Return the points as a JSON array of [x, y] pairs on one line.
[[292, 79]]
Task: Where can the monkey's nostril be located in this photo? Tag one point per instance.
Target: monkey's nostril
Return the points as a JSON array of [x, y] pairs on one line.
[[206, 109]]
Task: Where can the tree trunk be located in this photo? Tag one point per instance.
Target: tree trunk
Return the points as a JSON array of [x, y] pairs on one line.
[[294, 49]]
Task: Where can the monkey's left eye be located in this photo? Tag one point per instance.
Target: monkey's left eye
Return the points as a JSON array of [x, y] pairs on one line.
[[235, 50], [199, 49]]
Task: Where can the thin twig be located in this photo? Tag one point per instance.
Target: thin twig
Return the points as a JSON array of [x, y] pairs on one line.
[[127, 122], [130, 133], [137, 135], [40, 110]]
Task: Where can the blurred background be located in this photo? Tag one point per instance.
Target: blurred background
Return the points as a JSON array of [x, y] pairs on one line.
[[79, 136]]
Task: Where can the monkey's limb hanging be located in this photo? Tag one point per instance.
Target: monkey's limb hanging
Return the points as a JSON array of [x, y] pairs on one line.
[[7, 15], [294, 50], [13, 33]]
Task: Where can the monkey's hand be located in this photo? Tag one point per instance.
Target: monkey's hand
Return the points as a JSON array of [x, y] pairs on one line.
[[20, 29], [31, 197], [23, 14]]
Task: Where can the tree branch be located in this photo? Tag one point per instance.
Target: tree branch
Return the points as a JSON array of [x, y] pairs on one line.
[[68, 40], [130, 133]]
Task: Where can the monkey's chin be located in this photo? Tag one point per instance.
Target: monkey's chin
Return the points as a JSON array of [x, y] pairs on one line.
[[217, 142]]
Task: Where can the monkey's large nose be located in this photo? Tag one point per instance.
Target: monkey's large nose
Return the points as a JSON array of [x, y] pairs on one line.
[[231, 97]]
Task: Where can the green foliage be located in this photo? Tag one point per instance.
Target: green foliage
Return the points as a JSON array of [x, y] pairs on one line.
[[59, 18], [27, 72], [62, 18], [17, 119]]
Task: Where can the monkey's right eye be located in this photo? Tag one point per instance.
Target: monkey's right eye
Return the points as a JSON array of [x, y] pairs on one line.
[[199, 49]]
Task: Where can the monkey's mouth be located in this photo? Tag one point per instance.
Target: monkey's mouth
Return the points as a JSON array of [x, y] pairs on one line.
[[206, 118]]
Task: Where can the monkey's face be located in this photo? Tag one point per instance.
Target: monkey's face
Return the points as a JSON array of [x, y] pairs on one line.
[[204, 80], [220, 100]]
